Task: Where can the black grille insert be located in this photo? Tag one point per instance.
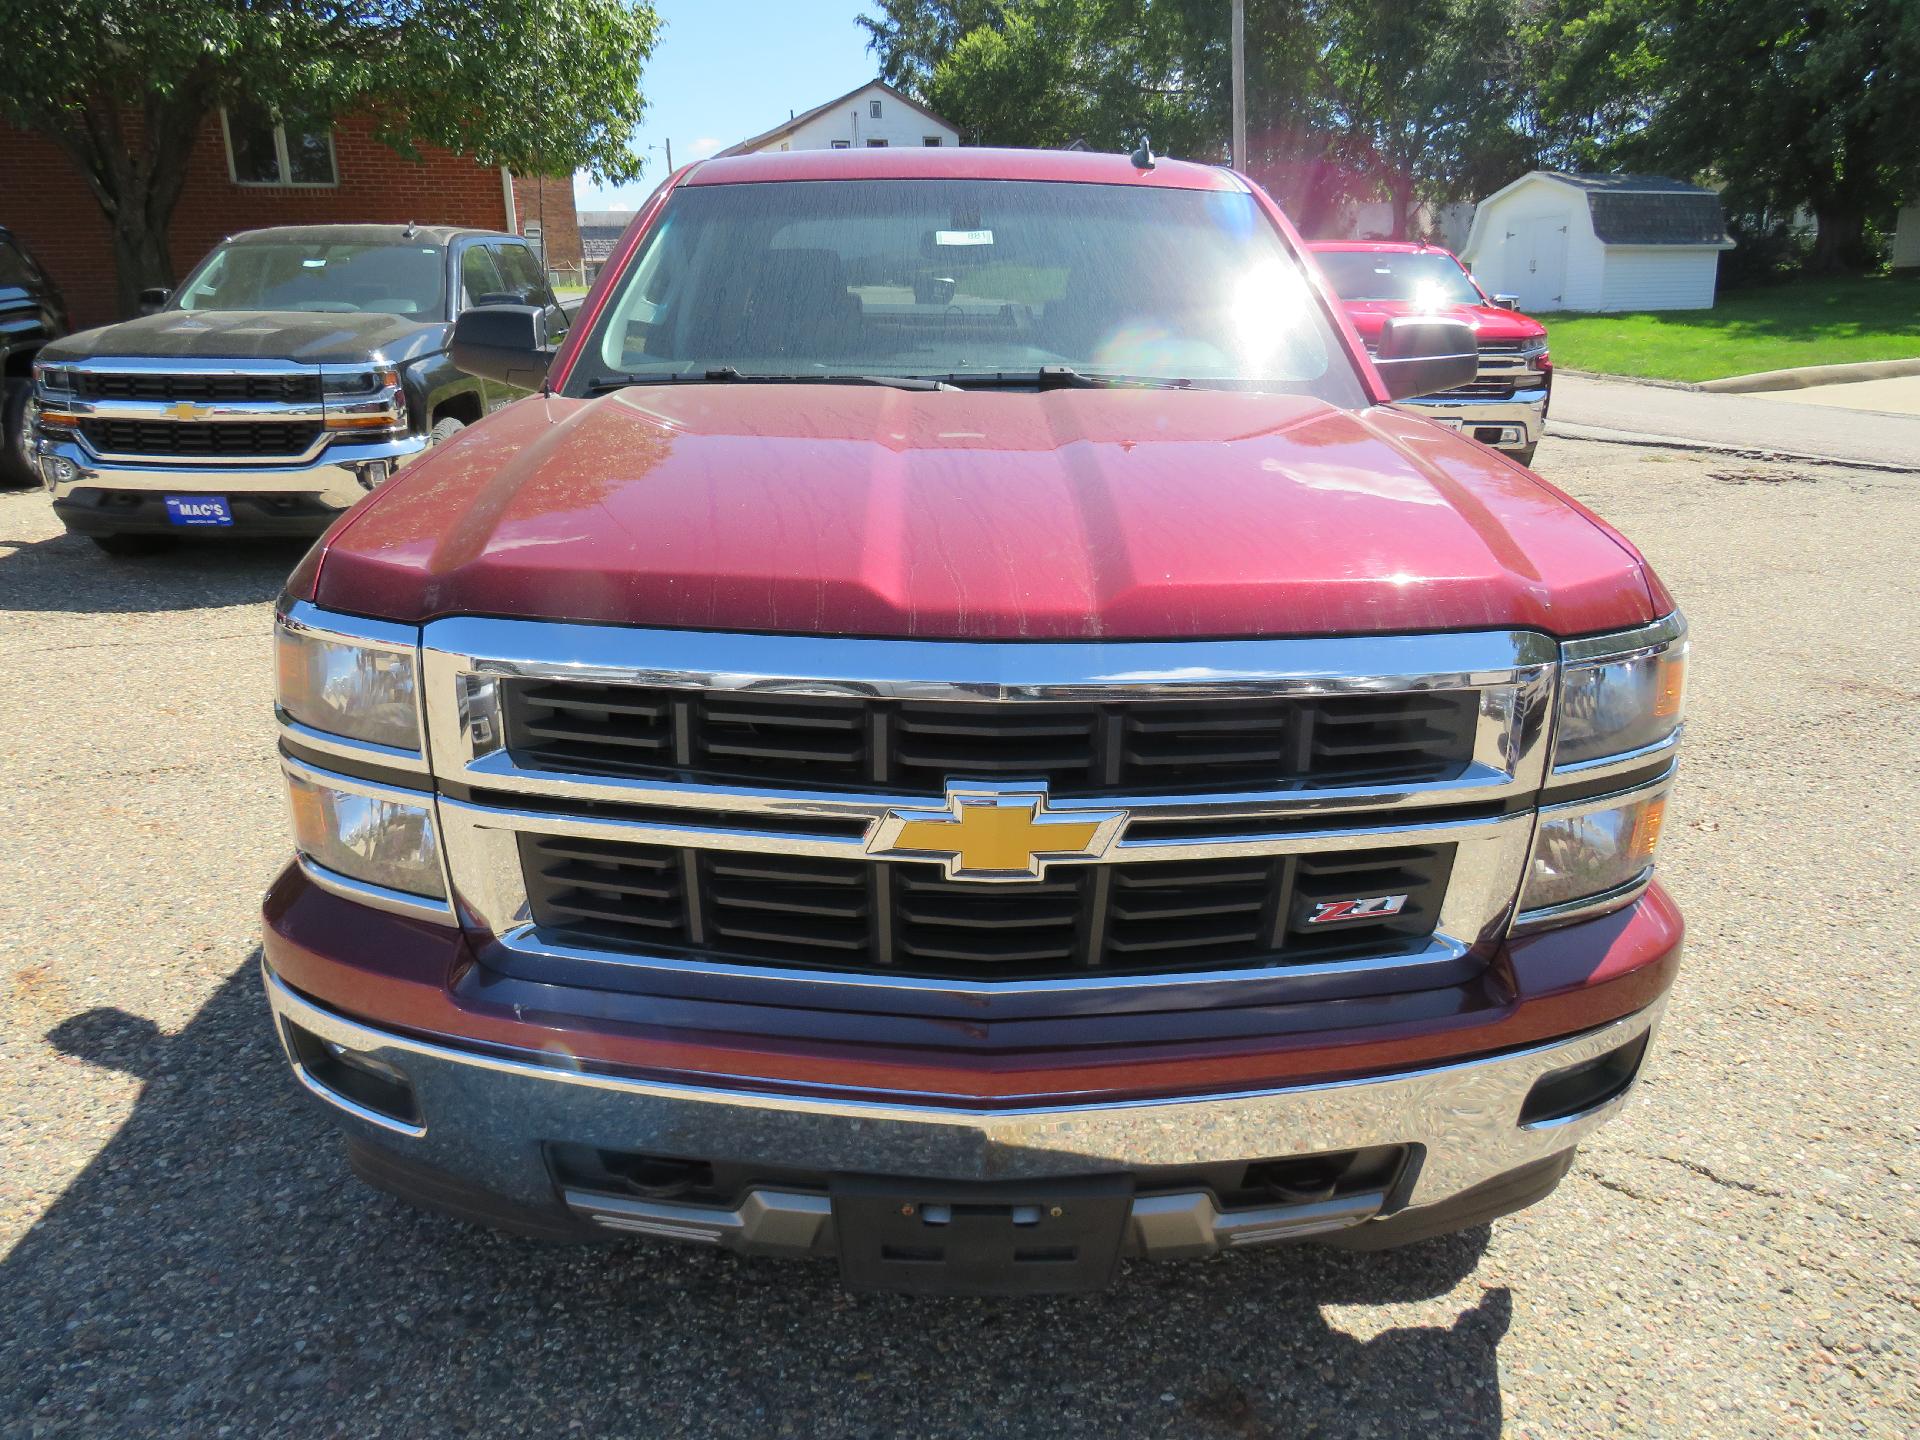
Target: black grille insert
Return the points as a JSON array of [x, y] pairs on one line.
[[909, 919], [289, 389], [914, 747], [279, 438]]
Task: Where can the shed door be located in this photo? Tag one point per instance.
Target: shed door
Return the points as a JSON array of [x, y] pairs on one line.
[[1540, 278]]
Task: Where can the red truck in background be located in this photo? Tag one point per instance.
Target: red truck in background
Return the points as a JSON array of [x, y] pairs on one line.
[[1505, 403], [961, 734]]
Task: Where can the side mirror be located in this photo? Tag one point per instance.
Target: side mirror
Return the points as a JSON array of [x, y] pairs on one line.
[[1507, 302], [501, 297], [1423, 357], [153, 298], [507, 343]]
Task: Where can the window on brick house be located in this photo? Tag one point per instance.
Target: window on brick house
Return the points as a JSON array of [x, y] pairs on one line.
[[263, 151]]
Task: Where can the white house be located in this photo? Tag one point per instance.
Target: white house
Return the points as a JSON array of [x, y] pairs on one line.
[[873, 116], [1599, 242]]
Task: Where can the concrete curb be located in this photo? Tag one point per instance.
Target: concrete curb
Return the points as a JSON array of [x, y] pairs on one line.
[[1594, 434], [1806, 376]]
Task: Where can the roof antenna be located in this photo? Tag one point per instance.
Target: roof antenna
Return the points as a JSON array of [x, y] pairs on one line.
[[1143, 157], [410, 231]]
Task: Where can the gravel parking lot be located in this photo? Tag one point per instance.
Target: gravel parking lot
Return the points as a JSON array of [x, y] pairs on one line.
[[1740, 1255]]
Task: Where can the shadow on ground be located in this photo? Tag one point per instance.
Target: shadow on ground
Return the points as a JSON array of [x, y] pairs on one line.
[[70, 574], [216, 1266]]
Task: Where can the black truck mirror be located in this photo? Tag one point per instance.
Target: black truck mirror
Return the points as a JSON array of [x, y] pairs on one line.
[[1418, 356], [507, 343]]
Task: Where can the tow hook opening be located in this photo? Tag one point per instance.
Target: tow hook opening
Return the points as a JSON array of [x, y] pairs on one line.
[[365, 1080], [1565, 1094]]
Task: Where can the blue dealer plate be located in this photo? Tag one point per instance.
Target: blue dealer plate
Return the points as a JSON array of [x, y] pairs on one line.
[[199, 510]]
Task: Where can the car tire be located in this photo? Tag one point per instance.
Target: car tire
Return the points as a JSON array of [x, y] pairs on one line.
[[16, 461], [446, 427], [129, 547], [1525, 454]]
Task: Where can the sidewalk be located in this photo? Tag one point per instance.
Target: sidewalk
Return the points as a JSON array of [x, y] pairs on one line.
[[1805, 425]]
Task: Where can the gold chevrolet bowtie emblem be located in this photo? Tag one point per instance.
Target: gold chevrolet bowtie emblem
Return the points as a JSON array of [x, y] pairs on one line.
[[994, 834], [185, 410]]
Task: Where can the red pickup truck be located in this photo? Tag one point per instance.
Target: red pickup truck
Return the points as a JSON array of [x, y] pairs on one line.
[[1505, 402], [960, 734]]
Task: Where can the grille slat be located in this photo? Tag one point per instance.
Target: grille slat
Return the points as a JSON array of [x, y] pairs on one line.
[[284, 438], [916, 747], [288, 389], [855, 915]]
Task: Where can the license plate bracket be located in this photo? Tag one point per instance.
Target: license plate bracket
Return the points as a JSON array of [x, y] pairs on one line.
[[199, 510], [967, 1238]]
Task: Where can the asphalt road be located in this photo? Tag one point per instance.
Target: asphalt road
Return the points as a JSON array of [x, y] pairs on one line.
[[185, 1253], [1596, 406]]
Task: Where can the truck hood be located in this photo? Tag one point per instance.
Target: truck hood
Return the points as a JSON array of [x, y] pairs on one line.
[[1490, 322], [299, 335], [1071, 514]]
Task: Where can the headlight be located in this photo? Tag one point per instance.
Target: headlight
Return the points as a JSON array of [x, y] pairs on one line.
[[1620, 693], [364, 400], [53, 379], [366, 832], [362, 687], [1592, 851]]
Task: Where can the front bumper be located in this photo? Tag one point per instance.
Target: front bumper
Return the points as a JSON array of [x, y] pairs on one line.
[[485, 1122], [94, 496], [1510, 423]]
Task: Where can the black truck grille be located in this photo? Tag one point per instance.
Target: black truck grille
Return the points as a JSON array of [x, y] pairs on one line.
[[291, 389], [908, 919], [914, 747], [282, 439]]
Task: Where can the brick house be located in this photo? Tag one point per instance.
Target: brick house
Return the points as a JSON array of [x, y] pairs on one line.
[[248, 172]]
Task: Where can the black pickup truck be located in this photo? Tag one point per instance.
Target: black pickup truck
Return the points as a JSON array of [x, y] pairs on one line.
[[31, 314], [291, 373]]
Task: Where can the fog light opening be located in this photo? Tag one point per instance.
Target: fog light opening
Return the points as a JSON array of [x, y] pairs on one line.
[[1566, 1094], [365, 1080]]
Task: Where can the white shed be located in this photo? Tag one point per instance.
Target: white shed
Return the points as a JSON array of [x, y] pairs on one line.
[[1599, 242]]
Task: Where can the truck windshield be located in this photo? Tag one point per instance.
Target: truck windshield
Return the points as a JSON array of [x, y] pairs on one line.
[[1433, 281], [966, 281], [320, 276]]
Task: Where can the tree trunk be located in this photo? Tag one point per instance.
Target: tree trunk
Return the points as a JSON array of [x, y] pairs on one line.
[[1839, 240], [1402, 189], [142, 258], [136, 178]]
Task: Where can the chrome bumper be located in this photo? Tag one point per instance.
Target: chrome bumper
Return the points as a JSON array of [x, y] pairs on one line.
[[338, 477], [484, 1119], [1523, 414]]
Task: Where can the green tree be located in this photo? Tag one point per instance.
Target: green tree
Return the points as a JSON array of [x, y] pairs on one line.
[[1784, 102], [125, 87]]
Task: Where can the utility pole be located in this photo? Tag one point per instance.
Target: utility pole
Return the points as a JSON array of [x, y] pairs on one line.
[[669, 155], [1240, 85]]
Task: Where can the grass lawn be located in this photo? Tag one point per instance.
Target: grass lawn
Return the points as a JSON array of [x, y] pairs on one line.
[[1810, 322]]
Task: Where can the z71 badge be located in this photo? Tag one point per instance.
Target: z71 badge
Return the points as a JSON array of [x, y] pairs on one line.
[[1371, 908]]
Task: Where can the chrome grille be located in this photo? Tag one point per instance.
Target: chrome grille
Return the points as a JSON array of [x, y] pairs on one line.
[[910, 920], [680, 812], [915, 747]]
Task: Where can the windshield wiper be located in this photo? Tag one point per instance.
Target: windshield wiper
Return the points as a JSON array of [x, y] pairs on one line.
[[1056, 377], [728, 375]]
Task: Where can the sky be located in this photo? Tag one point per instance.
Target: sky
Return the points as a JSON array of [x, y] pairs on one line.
[[726, 69]]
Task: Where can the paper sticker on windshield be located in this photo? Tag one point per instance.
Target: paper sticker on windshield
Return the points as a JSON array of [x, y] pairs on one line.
[[963, 237]]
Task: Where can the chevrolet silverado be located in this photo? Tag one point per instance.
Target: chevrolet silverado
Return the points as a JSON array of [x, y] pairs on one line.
[[960, 735]]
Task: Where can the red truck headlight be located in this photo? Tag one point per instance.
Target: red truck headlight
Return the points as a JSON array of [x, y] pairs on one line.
[[361, 687], [1622, 702], [372, 833]]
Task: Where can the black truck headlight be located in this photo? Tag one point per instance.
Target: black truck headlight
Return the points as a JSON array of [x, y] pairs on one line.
[[1620, 695], [359, 682], [375, 834]]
